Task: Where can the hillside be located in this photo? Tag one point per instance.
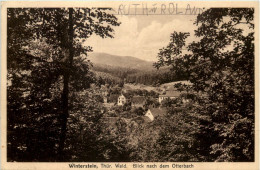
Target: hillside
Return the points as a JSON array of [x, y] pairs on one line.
[[112, 68], [158, 89], [106, 76], [120, 61]]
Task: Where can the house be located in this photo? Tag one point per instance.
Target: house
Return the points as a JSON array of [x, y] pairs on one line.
[[105, 99], [152, 113], [169, 95], [121, 100], [138, 101]]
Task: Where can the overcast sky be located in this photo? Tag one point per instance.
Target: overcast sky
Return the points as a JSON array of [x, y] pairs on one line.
[[142, 36]]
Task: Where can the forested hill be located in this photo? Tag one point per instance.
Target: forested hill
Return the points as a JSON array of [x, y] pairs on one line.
[[115, 69], [120, 61]]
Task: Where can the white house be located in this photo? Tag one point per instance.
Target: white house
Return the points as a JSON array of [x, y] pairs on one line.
[[169, 95], [105, 99], [121, 100], [152, 113]]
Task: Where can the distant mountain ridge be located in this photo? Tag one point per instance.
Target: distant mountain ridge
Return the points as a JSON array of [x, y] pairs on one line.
[[117, 69], [120, 61]]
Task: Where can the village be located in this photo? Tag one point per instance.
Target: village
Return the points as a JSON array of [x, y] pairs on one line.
[[137, 104]]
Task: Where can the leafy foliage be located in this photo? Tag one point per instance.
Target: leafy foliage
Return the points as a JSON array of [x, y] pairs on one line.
[[221, 65], [45, 47]]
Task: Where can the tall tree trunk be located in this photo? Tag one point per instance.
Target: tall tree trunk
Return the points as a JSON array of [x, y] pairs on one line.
[[65, 94]]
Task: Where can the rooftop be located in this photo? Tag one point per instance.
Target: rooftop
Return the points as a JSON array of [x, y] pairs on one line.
[[158, 111], [138, 99], [171, 94]]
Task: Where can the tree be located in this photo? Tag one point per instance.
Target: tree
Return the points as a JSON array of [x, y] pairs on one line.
[[232, 79], [221, 65], [84, 128], [64, 31]]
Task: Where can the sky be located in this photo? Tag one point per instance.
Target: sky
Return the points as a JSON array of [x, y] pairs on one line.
[[142, 36]]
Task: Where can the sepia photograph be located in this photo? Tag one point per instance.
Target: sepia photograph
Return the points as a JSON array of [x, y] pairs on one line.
[[137, 82]]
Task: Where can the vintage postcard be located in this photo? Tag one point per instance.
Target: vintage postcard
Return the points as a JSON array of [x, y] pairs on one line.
[[129, 85]]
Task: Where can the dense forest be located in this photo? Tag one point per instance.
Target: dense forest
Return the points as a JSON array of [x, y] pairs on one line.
[[53, 113], [115, 75]]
